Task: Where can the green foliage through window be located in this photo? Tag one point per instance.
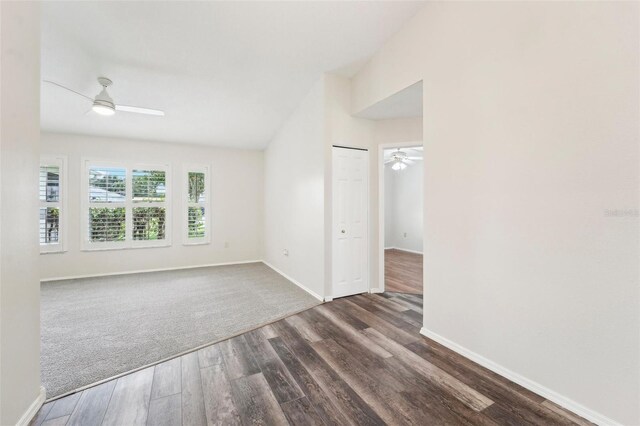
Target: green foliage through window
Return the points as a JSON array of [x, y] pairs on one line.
[[148, 223], [106, 224], [148, 185], [109, 185], [196, 222], [196, 187]]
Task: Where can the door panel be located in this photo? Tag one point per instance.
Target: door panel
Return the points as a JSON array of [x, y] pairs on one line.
[[350, 221]]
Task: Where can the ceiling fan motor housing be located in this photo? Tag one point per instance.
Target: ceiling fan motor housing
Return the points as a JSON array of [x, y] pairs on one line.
[[103, 99], [399, 155]]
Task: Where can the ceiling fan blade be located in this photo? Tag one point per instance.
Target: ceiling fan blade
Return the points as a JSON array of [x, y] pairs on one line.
[[139, 110], [414, 158], [406, 160], [389, 161], [66, 88]]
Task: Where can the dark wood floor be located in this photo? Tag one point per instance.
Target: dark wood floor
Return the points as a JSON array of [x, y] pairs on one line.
[[357, 360], [402, 271]]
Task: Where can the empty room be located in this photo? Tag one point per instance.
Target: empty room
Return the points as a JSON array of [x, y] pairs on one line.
[[319, 213]]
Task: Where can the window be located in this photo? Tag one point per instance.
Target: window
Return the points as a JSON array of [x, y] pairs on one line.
[[149, 211], [126, 206], [107, 204], [197, 210], [52, 210]]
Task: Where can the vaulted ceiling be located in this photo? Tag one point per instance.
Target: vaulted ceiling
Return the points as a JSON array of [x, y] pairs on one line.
[[225, 73]]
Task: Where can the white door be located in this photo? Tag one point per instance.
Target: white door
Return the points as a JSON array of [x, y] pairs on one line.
[[350, 221]]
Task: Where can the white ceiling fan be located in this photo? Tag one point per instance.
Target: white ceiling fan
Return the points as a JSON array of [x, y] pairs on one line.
[[400, 159], [104, 105]]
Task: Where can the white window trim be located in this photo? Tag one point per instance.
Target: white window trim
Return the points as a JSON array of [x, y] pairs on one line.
[[197, 168], [61, 162], [128, 242]]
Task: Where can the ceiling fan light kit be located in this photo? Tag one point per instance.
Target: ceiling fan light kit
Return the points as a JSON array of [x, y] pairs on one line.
[[399, 165], [103, 103], [103, 109], [401, 160]]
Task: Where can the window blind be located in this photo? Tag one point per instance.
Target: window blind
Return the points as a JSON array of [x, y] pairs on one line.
[[49, 225], [196, 208], [50, 200], [196, 222], [149, 186], [127, 206], [107, 224], [107, 185], [50, 183], [149, 223]]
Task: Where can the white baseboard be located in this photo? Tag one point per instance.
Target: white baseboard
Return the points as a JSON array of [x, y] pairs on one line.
[[142, 271], [314, 294], [33, 408], [535, 387], [403, 249], [375, 290]]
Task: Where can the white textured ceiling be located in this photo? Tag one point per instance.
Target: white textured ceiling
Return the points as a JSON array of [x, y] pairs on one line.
[[225, 73]]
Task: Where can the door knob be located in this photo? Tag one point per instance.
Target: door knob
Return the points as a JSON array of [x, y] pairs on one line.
[[343, 231]]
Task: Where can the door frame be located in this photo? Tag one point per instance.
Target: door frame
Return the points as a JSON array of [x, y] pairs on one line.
[[368, 228], [381, 228]]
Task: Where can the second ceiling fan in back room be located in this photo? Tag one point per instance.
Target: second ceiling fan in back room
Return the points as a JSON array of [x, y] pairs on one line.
[[399, 159], [104, 105]]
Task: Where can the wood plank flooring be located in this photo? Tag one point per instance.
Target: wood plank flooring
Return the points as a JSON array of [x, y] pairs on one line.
[[358, 360], [402, 271]]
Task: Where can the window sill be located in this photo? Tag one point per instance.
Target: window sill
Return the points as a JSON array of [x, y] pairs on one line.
[[60, 251], [196, 243], [135, 247]]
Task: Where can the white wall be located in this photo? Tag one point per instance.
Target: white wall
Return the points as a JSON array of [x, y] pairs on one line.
[[403, 199], [236, 206], [530, 187], [19, 139], [294, 194], [345, 130], [398, 130], [298, 197], [389, 220]]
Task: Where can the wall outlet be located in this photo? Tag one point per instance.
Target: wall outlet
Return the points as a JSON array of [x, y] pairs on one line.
[[285, 252]]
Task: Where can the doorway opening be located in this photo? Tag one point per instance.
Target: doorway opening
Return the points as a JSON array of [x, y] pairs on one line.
[[399, 161], [402, 218]]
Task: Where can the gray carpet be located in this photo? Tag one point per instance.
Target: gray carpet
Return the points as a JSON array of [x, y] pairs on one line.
[[96, 328]]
